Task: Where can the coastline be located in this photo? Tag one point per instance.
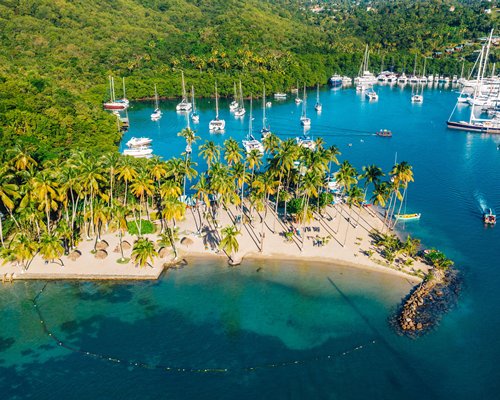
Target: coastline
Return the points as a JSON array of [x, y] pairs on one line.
[[332, 224]]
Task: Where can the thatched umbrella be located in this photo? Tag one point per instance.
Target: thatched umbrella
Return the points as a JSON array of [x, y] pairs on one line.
[[74, 255], [186, 241], [102, 245], [126, 245], [164, 252], [101, 254]]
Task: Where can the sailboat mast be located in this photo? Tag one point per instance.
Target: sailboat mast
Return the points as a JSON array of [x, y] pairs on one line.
[[264, 107], [304, 103], [216, 103], [478, 84], [112, 89], [487, 53], [192, 99], [250, 122], [184, 98]]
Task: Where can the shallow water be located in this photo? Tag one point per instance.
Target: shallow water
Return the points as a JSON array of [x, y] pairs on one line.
[[208, 316]]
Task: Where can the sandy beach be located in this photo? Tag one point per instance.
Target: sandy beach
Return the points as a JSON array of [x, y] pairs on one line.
[[323, 239]]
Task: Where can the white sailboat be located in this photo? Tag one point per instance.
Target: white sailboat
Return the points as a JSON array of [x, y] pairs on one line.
[[240, 111], [217, 124], [113, 104], [298, 100], [194, 115], [265, 131], [318, 106], [365, 77], [250, 143], [418, 95], [304, 120], [184, 105], [234, 104], [156, 115]]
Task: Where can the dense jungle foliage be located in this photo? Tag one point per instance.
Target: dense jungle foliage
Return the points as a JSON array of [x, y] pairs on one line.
[[55, 56]]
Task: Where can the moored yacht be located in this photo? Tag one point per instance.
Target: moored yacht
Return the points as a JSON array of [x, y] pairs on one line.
[[139, 142], [184, 105], [217, 124]]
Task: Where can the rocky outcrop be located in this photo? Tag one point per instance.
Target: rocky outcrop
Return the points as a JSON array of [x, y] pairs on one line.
[[423, 308]]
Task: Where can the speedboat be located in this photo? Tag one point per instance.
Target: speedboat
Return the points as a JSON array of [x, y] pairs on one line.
[[280, 96], [384, 133], [307, 142], [489, 218], [407, 217]]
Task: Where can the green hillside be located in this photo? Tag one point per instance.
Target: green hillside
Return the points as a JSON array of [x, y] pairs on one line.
[[55, 56]]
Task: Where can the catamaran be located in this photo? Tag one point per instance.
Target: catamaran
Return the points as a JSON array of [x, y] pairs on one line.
[[156, 115], [336, 80], [371, 94], [250, 143], [240, 111], [304, 120], [194, 115], [318, 106], [184, 105], [234, 104], [365, 77], [216, 125], [265, 131]]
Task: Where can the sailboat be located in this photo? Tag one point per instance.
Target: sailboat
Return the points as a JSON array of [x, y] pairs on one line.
[[418, 95], [365, 77], [124, 99], [318, 107], [194, 115], [298, 100], [114, 104], [265, 131], [306, 122], [156, 115], [216, 125], [184, 105], [475, 124], [250, 143], [240, 111], [234, 104]]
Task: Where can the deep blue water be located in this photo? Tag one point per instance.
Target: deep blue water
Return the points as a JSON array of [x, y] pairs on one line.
[[208, 316]]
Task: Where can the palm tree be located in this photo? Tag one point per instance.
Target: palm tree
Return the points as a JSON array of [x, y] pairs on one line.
[[143, 251], [168, 239], [119, 221], [189, 135], [203, 191], [142, 186], [229, 242], [51, 247], [371, 174], [8, 192], [210, 152], [308, 188], [24, 249], [265, 185], [20, 159], [354, 198], [271, 143], [254, 159], [403, 174], [111, 161], [44, 189], [232, 152], [126, 172]]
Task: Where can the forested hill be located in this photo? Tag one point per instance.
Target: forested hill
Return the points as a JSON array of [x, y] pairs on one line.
[[55, 55]]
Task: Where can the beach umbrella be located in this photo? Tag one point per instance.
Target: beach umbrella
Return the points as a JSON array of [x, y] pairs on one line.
[[164, 252], [101, 254], [102, 245], [186, 241], [74, 255], [126, 245]]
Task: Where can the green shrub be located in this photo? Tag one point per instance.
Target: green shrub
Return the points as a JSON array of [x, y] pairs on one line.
[[146, 227]]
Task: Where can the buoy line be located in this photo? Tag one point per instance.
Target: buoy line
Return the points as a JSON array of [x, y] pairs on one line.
[[168, 368]]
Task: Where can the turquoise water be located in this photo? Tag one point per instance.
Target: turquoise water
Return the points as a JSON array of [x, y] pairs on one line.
[[207, 316]]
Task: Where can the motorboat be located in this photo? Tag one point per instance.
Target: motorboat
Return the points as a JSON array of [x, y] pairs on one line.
[[139, 142], [139, 152], [384, 133], [489, 217], [407, 217]]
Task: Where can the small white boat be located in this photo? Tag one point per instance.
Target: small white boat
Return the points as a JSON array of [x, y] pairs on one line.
[[280, 96], [139, 142], [265, 131], [139, 152], [318, 106], [403, 78], [234, 104], [306, 142], [156, 115], [184, 105], [417, 98], [195, 117], [269, 104], [304, 120], [217, 125], [240, 110], [371, 94], [188, 149], [250, 143]]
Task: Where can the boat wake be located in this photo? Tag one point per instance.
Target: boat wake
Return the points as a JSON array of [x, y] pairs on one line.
[[481, 202]]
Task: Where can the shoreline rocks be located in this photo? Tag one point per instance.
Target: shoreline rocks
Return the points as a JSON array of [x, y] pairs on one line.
[[424, 306]]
